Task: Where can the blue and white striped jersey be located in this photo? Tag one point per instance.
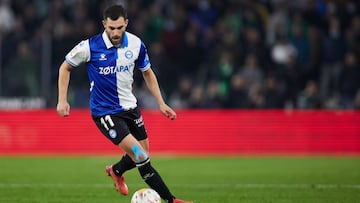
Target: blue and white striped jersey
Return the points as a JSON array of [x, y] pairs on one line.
[[110, 70]]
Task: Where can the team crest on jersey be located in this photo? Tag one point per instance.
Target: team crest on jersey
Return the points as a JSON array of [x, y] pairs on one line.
[[102, 57], [128, 54], [112, 133]]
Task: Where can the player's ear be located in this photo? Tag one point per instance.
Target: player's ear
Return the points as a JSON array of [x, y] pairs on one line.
[[126, 22], [104, 23]]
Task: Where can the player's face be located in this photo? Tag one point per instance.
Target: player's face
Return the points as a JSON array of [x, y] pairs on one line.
[[115, 29]]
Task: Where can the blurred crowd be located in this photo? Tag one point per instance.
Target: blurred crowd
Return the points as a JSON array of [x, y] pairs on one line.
[[264, 54]]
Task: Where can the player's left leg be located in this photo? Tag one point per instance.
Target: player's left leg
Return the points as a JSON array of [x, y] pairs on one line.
[[126, 163], [147, 172], [135, 150]]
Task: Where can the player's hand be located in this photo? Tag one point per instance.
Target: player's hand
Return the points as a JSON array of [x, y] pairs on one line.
[[167, 111], [63, 109]]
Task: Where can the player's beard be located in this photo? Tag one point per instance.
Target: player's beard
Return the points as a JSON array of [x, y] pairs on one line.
[[116, 40]]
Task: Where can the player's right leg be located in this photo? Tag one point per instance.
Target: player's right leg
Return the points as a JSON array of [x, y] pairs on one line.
[[119, 181], [115, 129]]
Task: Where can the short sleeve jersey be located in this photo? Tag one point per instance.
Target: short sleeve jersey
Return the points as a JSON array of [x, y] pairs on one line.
[[110, 70]]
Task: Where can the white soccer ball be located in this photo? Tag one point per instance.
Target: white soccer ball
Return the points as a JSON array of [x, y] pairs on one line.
[[146, 195]]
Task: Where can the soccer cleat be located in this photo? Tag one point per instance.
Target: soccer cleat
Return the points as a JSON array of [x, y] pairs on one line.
[[180, 201], [119, 181]]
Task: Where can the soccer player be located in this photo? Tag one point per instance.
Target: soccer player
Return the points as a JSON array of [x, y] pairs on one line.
[[111, 58]]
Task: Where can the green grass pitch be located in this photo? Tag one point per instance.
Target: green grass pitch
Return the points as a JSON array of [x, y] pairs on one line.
[[200, 179]]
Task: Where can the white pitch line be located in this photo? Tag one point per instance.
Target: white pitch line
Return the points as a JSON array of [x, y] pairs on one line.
[[199, 185]]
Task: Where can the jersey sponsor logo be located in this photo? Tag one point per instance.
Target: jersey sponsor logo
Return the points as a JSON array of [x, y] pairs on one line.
[[114, 69]]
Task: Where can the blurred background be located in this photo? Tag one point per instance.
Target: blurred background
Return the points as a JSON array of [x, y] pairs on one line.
[[278, 54], [238, 72]]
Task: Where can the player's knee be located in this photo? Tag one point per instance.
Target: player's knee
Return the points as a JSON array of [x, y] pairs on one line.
[[139, 154]]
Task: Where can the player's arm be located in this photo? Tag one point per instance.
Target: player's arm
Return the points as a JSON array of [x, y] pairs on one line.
[[78, 55], [153, 86], [63, 107]]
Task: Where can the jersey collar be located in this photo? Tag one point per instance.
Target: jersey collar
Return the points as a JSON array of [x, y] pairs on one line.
[[108, 43]]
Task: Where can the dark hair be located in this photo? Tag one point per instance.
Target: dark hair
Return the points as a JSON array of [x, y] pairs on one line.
[[114, 12]]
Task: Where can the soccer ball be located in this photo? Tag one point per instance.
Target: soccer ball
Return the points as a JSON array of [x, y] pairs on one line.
[[146, 195]]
